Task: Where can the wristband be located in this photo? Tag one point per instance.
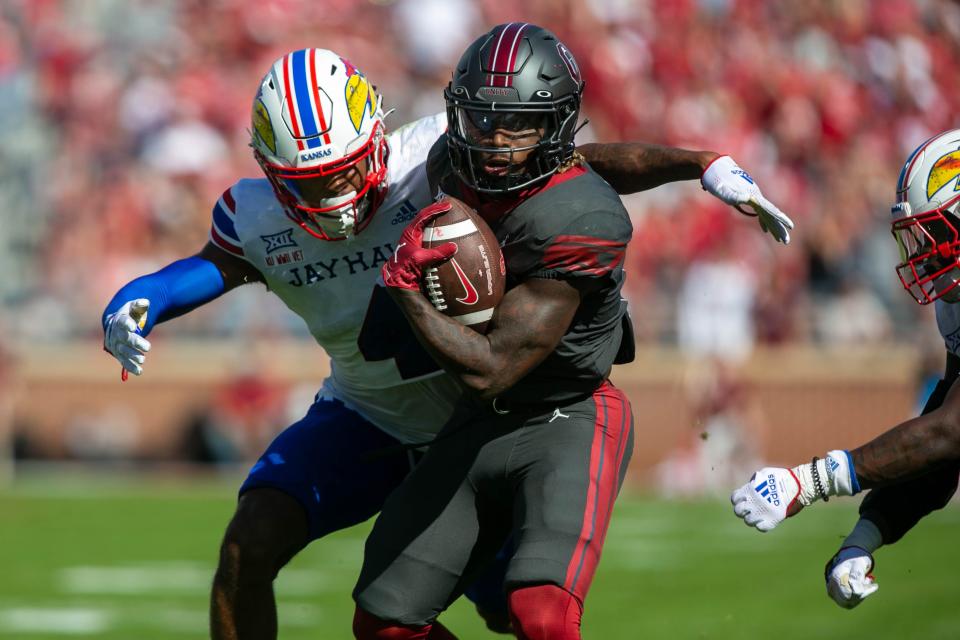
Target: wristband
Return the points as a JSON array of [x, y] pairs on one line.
[[817, 481]]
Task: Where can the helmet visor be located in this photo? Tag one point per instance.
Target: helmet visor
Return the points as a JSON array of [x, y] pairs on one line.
[[502, 149], [516, 129]]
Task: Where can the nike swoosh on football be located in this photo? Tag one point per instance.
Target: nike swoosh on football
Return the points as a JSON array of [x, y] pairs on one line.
[[471, 297]]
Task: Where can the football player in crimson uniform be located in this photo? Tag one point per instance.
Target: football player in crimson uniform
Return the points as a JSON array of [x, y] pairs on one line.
[[913, 468], [307, 231], [539, 444]]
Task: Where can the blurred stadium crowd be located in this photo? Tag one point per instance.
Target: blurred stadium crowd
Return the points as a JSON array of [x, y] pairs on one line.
[[123, 121]]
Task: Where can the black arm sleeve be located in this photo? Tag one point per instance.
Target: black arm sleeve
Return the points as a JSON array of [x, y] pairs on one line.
[[896, 509]]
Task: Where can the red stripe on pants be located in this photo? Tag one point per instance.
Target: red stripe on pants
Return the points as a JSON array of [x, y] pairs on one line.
[[610, 436]]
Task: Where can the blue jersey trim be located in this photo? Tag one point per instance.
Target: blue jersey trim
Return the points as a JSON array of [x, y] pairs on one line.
[[224, 223]]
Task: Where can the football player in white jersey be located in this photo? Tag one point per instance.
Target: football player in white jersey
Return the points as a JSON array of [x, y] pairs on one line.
[[308, 232], [913, 468]]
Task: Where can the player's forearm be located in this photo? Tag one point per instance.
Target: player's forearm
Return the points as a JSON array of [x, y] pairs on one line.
[[630, 167], [461, 351], [896, 508], [909, 449]]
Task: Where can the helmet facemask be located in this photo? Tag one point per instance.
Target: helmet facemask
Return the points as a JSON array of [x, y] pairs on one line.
[[929, 245], [512, 109], [509, 149], [317, 197]]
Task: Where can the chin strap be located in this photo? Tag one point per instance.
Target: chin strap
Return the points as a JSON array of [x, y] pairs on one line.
[[352, 215]]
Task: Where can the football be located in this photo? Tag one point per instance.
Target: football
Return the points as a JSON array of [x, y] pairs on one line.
[[468, 286]]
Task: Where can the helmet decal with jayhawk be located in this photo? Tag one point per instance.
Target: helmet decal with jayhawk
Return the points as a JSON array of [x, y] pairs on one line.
[[359, 95], [945, 170], [925, 222], [262, 127], [316, 116]]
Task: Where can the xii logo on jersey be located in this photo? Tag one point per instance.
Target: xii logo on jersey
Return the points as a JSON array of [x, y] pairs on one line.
[[277, 241]]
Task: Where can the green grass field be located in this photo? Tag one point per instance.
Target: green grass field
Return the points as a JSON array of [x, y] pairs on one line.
[[132, 559]]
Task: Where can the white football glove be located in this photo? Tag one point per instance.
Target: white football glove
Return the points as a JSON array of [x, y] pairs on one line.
[[727, 181], [774, 494], [849, 581], [768, 499], [121, 336]]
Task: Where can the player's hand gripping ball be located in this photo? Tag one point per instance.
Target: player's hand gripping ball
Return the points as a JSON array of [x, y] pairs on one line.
[[470, 285], [453, 257], [404, 269]]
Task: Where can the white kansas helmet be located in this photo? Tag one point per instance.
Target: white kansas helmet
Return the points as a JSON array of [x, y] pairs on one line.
[[319, 138], [926, 222]]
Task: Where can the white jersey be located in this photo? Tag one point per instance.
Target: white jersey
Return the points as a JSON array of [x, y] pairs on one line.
[[948, 321], [387, 377]]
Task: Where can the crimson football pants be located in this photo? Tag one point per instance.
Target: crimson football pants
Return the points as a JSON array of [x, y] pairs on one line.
[[541, 612], [549, 477]]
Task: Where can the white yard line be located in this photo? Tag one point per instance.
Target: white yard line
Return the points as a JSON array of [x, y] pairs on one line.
[[22, 619], [176, 578], [80, 621], [184, 579]]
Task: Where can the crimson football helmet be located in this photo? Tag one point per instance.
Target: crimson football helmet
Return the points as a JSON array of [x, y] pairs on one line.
[[518, 78]]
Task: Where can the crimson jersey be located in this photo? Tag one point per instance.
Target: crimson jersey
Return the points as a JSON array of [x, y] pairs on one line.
[[574, 227]]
